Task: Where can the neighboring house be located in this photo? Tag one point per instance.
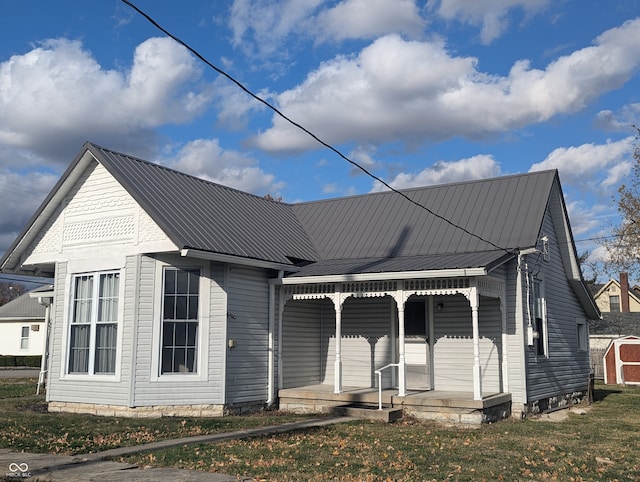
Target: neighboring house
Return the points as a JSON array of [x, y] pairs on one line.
[[174, 295], [617, 297], [22, 327]]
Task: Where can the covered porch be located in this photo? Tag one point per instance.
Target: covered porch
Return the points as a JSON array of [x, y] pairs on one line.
[[436, 345]]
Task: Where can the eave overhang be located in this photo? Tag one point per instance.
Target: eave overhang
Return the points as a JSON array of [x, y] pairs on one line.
[[400, 275]]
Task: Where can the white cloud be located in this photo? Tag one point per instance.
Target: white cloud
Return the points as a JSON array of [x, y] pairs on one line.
[[417, 92], [57, 96], [491, 15], [622, 120], [205, 158], [367, 19], [264, 27], [476, 167], [607, 163], [260, 26]]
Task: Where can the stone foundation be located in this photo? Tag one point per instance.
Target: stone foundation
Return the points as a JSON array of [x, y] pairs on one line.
[[555, 403], [155, 411]]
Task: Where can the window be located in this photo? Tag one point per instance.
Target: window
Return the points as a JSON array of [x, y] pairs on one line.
[[583, 339], [614, 304], [94, 324], [24, 338], [539, 317], [180, 324]]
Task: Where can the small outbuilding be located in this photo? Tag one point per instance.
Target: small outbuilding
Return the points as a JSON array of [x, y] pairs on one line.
[[622, 361]]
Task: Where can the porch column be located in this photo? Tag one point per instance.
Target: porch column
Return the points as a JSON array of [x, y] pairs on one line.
[[337, 370], [477, 371], [402, 379]]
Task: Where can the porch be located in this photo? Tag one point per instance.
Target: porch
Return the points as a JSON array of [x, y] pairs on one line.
[[440, 405]]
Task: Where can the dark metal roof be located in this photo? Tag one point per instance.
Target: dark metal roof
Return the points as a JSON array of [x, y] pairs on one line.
[[506, 212], [24, 307], [203, 215], [618, 324]]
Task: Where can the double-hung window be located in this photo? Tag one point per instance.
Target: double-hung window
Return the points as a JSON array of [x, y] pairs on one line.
[[180, 325], [93, 330], [24, 338]]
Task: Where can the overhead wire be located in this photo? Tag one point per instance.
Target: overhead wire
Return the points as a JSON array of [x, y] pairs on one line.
[[308, 132]]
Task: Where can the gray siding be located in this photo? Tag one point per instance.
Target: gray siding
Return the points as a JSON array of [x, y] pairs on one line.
[[453, 351], [85, 389], [566, 369], [179, 389], [248, 327], [366, 345], [302, 355]]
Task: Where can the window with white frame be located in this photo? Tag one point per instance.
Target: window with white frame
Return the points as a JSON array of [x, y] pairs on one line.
[[93, 330], [583, 336], [539, 319], [180, 323], [24, 338]]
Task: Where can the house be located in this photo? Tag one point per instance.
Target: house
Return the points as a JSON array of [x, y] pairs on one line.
[[22, 327], [617, 297], [178, 296]]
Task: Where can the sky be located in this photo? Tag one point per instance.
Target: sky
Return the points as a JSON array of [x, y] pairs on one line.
[[416, 92]]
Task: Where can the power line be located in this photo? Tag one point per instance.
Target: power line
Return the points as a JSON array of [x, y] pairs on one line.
[[306, 131]]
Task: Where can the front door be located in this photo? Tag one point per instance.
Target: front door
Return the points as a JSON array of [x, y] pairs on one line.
[[416, 344]]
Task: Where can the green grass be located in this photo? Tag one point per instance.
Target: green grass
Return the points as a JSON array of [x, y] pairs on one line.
[[603, 445]]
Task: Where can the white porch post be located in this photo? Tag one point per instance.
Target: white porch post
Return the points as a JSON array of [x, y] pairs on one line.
[[477, 371], [337, 375], [402, 369]]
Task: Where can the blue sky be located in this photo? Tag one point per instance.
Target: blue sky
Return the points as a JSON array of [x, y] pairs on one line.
[[417, 92]]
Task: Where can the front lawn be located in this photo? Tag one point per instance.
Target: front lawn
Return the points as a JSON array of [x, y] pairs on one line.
[[604, 444]]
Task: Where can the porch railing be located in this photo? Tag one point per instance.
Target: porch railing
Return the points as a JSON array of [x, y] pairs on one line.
[[379, 373]]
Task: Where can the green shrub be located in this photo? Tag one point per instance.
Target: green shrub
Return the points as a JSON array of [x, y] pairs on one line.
[[7, 361], [32, 361]]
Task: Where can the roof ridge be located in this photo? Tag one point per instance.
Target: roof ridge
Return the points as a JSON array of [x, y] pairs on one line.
[[181, 173], [432, 186]]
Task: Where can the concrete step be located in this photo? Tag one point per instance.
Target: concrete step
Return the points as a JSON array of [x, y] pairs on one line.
[[369, 412]]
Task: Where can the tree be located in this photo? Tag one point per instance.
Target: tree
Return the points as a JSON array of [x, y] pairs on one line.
[[10, 291], [623, 247]]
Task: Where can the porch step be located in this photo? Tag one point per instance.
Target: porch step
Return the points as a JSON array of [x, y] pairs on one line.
[[369, 412]]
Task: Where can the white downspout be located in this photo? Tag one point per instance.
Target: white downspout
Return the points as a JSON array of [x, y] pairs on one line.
[[270, 349], [45, 353], [519, 322]]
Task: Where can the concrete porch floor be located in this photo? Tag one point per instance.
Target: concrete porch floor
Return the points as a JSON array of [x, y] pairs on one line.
[[441, 405]]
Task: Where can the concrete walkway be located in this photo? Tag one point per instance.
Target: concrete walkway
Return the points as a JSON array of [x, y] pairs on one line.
[[99, 466]]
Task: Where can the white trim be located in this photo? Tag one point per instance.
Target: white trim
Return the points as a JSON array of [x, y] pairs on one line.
[[392, 275], [68, 310], [227, 258], [204, 320]]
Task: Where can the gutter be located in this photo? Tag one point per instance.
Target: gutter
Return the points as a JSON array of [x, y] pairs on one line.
[[231, 259], [395, 275]]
